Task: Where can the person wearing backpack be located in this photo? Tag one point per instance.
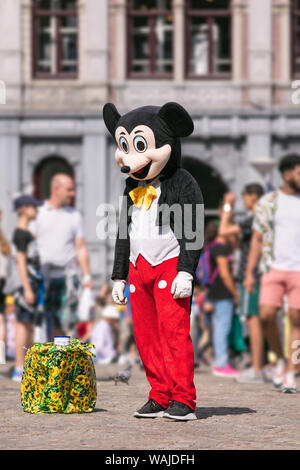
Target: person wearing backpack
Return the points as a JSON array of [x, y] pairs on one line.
[[223, 294], [248, 301]]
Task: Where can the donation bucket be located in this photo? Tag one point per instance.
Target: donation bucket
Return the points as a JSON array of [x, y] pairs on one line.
[[59, 378]]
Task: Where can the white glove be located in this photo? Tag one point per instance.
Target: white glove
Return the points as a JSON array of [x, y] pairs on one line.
[[118, 292], [182, 285]]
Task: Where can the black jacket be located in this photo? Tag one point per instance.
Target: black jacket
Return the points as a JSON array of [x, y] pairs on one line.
[[179, 188]]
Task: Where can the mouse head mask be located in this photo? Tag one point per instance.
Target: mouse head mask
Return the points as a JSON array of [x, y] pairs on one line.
[[148, 138]]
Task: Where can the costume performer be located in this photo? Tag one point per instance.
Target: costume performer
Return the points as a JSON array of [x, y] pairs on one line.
[[152, 250]]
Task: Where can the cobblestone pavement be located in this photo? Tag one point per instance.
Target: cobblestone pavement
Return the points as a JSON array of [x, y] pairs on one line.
[[230, 416]]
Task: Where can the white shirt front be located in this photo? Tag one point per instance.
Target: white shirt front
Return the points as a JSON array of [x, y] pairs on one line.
[[56, 231], [156, 244], [287, 233]]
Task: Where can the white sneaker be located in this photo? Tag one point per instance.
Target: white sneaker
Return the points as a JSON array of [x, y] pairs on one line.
[[289, 383], [2, 352], [279, 373], [268, 373], [250, 376], [17, 375]]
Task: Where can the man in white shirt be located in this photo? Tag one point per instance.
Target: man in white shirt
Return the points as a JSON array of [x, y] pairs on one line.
[[276, 239], [62, 250]]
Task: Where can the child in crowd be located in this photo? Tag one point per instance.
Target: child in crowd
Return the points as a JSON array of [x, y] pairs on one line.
[[27, 295]]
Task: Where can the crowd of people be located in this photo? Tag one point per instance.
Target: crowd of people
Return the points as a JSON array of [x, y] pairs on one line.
[[249, 270], [44, 276], [265, 280]]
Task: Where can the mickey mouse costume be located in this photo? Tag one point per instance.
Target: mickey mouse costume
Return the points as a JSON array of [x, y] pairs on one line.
[[153, 250]]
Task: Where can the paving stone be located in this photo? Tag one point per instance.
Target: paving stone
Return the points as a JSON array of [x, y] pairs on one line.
[[230, 416]]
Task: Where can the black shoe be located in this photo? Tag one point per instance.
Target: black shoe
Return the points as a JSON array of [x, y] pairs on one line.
[[180, 412], [151, 409]]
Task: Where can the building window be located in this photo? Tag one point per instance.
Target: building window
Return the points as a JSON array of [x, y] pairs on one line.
[[296, 37], [150, 38], [55, 38], [208, 38]]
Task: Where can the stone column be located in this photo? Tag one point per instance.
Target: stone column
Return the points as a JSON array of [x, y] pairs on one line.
[[118, 9], [179, 40], [259, 149], [10, 51], [9, 171], [93, 36], [260, 52], [94, 164], [238, 8], [285, 39], [27, 41]]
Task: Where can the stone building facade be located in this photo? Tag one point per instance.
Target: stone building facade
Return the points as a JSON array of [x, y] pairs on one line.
[[59, 70]]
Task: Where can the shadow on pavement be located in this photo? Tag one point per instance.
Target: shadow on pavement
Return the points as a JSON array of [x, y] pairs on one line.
[[204, 413], [99, 410]]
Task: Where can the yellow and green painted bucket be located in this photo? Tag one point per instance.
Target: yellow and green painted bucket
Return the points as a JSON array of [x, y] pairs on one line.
[[59, 379]]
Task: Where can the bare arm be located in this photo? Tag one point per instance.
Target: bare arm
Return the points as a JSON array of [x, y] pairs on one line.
[[226, 227], [82, 257], [253, 259], [225, 274], [22, 268]]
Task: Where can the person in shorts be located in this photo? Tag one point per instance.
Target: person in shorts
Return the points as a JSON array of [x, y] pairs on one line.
[[248, 300], [27, 295], [276, 242]]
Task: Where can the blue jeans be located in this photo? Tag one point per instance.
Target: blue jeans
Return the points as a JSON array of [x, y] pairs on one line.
[[223, 312]]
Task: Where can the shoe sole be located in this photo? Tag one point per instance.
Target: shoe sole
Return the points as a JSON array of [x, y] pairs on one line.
[[189, 417], [256, 382], [159, 414], [289, 390], [220, 374]]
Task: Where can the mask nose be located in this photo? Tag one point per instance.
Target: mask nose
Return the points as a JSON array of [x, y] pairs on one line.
[[125, 169]]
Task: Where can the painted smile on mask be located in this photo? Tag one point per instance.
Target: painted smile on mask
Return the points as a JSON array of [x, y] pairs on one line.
[[143, 172]]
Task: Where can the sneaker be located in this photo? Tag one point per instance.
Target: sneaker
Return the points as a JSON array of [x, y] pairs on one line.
[[226, 371], [268, 373], [17, 375], [179, 412], [151, 409], [289, 384], [250, 376], [279, 373]]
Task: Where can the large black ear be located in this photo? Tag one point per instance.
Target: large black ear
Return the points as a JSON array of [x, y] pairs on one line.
[[111, 117], [177, 119]]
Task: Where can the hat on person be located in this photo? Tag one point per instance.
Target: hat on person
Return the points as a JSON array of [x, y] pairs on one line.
[[110, 311], [26, 200]]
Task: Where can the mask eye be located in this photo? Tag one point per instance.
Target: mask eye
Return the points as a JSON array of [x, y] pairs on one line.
[[124, 144], [140, 144]]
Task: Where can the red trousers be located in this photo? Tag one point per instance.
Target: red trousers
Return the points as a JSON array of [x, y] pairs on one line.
[[162, 332]]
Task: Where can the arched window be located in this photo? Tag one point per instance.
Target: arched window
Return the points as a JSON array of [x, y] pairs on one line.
[[44, 172], [212, 186]]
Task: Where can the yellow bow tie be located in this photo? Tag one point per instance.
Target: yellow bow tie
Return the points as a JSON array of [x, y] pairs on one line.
[[142, 194]]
